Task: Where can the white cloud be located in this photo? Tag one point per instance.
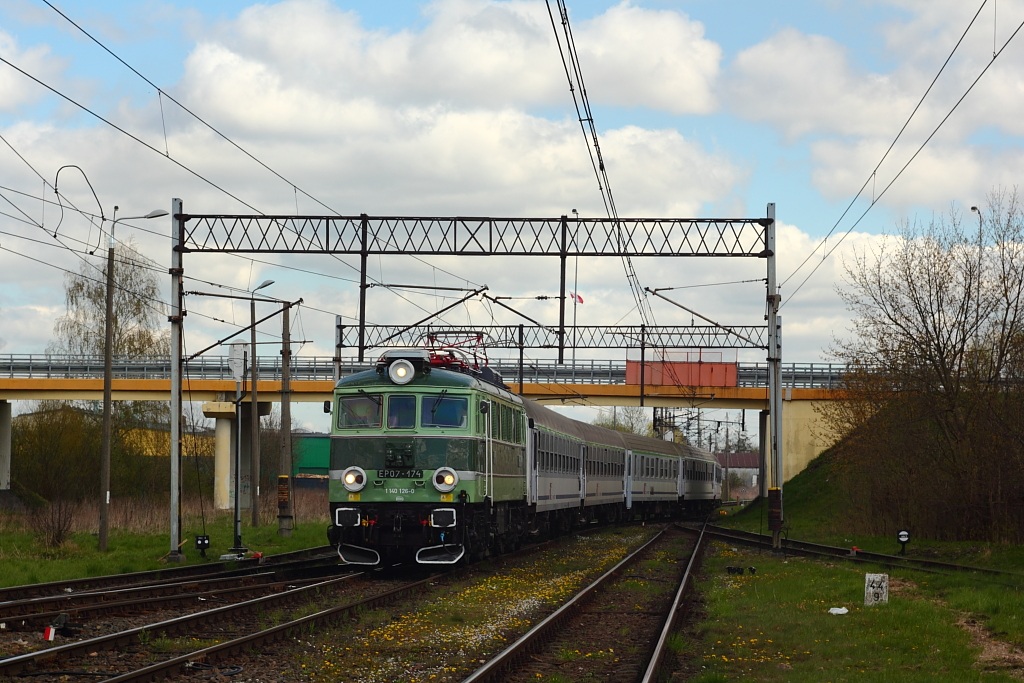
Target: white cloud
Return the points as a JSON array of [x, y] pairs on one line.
[[804, 84], [486, 55], [17, 91], [637, 57]]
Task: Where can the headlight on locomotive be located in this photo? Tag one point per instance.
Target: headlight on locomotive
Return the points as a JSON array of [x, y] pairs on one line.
[[353, 479], [401, 371], [445, 479]]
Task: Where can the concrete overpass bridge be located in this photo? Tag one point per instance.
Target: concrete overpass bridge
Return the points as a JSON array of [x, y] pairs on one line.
[[209, 381]]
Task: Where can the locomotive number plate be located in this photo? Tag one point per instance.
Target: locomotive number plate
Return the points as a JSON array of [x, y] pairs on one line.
[[399, 474]]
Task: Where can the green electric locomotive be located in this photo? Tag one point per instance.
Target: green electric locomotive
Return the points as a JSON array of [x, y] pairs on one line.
[[434, 460], [427, 461]]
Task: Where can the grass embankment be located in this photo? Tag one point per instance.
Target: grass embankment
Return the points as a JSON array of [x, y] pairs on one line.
[[139, 539], [776, 624]]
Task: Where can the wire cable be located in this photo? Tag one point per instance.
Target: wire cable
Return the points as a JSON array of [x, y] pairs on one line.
[[575, 76], [911, 159], [872, 176]]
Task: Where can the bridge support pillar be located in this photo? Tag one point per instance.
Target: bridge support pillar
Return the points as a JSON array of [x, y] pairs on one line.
[[5, 445], [225, 451]]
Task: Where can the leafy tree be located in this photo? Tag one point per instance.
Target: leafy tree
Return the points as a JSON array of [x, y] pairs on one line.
[[56, 438], [932, 402]]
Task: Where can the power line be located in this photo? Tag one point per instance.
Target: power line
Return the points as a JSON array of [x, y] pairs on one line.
[[874, 172], [198, 118], [167, 156], [575, 76], [92, 216], [126, 133]]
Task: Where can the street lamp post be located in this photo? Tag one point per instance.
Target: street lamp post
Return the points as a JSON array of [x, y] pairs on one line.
[[254, 416], [236, 361], [981, 250], [285, 517], [108, 355]]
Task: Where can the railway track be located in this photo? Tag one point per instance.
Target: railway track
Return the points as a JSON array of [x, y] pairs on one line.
[[74, 614], [173, 646], [271, 636], [808, 549], [240, 567], [90, 607], [617, 628]]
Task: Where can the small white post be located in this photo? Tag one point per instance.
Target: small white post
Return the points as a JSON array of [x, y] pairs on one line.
[[876, 589]]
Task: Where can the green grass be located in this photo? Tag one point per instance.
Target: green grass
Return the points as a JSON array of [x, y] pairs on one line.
[[775, 625], [25, 561], [771, 626], [810, 514]]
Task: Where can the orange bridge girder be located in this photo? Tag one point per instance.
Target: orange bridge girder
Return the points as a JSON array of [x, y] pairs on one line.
[[804, 435]]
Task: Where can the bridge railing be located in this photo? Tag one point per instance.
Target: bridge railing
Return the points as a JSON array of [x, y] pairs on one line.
[[580, 371]]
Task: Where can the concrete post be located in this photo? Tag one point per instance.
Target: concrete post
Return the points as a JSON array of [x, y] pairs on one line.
[[5, 445], [225, 433]]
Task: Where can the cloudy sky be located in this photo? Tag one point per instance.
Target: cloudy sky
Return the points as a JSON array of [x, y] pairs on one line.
[[703, 108]]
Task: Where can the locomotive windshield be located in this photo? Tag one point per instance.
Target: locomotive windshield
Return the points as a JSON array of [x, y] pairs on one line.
[[401, 412], [360, 411], [443, 411]]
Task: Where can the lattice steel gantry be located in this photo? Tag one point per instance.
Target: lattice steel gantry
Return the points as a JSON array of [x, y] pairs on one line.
[[563, 236]]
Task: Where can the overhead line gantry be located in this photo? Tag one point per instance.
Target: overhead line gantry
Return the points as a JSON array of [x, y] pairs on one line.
[[366, 236]]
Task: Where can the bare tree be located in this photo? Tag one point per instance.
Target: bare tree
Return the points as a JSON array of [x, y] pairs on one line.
[[137, 333], [138, 328], [629, 419], [936, 347]]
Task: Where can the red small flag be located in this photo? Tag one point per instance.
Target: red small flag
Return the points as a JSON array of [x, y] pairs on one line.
[[576, 297]]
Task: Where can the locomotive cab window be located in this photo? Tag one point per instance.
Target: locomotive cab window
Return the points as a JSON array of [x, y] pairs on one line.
[[362, 411], [444, 411], [401, 412]]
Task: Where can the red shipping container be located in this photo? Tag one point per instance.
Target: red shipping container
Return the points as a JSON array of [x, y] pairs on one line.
[[666, 373]]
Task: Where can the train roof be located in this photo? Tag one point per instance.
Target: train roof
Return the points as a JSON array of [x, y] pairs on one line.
[[448, 374], [437, 377], [590, 433]]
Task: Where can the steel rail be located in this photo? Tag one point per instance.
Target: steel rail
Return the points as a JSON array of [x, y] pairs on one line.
[[302, 625], [235, 568], [653, 672], [494, 668], [808, 549], [20, 664], [187, 596]]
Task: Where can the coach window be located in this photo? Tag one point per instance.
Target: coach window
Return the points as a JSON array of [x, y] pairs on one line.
[[401, 412]]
